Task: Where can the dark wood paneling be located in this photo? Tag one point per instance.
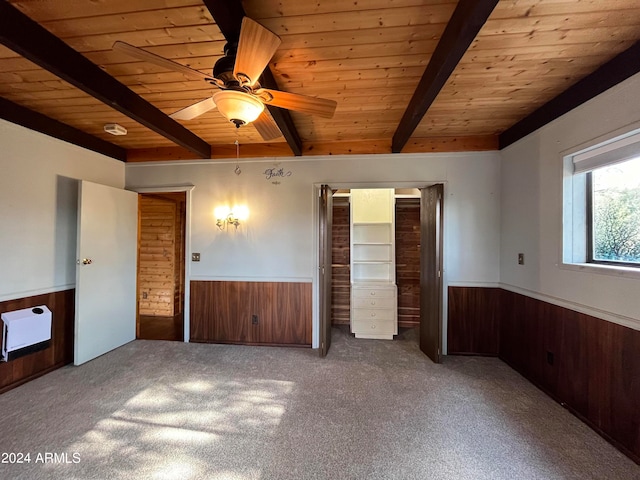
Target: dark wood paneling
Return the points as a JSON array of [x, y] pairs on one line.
[[21, 370], [161, 328], [222, 312], [408, 261], [589, 365], [473, 320], [340, 268], [283, 311]]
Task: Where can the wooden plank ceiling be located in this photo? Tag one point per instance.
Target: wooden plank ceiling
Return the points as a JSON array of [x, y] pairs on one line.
[[369, 56]]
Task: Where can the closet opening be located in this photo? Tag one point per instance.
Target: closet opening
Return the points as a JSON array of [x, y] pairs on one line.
[[392, 260]]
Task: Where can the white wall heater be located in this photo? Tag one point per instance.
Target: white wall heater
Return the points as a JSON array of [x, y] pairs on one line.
[[25, 331]]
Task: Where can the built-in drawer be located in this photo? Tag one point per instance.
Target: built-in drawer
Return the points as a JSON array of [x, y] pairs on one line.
[[372, 326], [382, 314], [374, 301], [370, 292]]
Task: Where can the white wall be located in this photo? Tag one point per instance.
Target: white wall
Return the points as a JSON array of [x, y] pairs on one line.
[[279, 240], [532, 210], [38, 208]]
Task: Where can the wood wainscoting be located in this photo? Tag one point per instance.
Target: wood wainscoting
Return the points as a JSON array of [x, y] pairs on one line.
[[589, 365], [251, 313], [473, 321], [59, 353]]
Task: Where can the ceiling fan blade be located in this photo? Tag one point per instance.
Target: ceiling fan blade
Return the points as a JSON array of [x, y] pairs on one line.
[[195, 110], [266, 127], [299, 103], [141, 54], [255, 48]]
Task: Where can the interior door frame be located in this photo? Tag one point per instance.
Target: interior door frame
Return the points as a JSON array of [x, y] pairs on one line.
[[316, 236], [188, 189]]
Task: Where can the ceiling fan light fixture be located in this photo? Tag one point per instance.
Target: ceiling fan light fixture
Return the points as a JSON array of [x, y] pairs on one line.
[[238, 107]]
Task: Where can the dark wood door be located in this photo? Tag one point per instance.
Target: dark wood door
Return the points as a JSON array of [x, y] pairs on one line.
[[431, 215], [324, 276]]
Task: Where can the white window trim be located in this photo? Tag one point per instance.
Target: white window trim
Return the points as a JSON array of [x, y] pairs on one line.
[[575, 164]]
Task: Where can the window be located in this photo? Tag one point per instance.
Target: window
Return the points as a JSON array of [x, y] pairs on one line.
[[601, 204], [613, 200]]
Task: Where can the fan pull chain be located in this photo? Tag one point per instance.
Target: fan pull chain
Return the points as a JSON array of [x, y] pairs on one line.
[[237, 170]]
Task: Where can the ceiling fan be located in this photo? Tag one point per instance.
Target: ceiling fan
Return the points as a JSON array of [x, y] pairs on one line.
[[240, 98]]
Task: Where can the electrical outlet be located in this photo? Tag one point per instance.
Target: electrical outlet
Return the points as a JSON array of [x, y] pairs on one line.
[[254, 319], [195, 257], [521, 259], [145, 295]]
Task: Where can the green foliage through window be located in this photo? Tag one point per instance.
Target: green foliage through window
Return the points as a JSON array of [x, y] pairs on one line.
[[616, 213]]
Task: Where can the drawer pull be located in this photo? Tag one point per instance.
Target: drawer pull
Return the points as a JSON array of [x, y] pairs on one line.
[[373, 327], [373, 302], [372, 292], [373, 314]]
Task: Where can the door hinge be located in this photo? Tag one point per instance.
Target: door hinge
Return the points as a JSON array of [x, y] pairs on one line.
[[439, 273]]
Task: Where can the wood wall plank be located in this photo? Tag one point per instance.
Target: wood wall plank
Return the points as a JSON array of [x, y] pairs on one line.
[[589, 365], [340, 262], [58, 354], [161, 254], [473, 320], [222, 312], [408, 261], [156, 256]]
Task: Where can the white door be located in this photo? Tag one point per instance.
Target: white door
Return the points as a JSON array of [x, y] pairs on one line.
[[106, 270]]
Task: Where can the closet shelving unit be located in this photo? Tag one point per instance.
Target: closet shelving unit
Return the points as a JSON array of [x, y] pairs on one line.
[[374, 312]]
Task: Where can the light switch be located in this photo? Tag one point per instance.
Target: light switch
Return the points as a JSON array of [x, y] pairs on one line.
[[521, 259], [195, 257]]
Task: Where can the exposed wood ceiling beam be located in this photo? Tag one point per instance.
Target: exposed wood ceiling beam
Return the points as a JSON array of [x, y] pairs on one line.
[[20, 115], [281, 116], [464, 25], [228, 16], [611, 73], [25, 37]]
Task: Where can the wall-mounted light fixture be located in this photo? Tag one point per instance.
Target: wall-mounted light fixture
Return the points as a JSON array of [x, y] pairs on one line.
[[230, 216]]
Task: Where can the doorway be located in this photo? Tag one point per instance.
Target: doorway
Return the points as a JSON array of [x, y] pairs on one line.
[[161, 266], [419, 255]]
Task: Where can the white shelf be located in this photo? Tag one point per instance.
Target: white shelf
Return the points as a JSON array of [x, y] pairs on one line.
[[365, 224], [373, 263]]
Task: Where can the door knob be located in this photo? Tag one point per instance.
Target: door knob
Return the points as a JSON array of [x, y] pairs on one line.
[[87, 261]]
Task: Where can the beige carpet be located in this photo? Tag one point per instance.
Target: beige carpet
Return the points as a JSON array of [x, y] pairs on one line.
[[370, 410]]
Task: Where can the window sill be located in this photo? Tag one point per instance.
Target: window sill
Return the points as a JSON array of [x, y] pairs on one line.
[[611, 270]]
